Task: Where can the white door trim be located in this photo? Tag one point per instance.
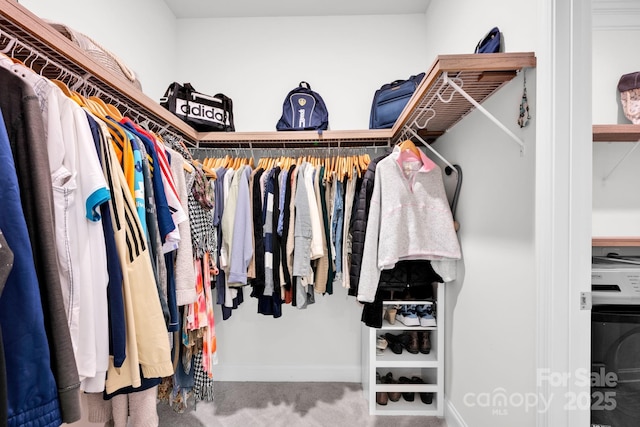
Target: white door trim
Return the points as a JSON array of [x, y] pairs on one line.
[[563, 211]]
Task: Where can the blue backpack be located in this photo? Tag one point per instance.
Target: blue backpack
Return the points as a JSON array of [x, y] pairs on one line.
[[303, 109], [492, 42]]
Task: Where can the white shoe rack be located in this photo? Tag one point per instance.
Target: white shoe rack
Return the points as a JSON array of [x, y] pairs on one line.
[[429, 367]]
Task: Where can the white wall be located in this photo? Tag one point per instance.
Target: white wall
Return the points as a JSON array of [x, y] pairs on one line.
[[491, 309], [257, 61], [142, 33], [256, 64], [616, 201]]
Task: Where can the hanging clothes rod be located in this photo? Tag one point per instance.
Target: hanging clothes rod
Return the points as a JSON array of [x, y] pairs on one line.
[[433, 150], [258, 152], [29, 55], [483, 110]]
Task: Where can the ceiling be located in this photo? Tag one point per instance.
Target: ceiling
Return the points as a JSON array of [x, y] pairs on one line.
[[271, 8]]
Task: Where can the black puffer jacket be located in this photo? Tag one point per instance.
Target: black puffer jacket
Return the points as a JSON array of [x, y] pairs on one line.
[[358, 224]]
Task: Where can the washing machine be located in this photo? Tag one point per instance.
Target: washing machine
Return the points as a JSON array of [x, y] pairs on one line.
[[615, 342]]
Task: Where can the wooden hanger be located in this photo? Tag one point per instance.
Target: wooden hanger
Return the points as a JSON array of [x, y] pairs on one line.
[[111, 110], [187, 166], [407, 144], [207, 171]]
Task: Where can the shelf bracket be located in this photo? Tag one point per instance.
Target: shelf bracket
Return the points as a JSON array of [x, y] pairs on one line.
[[621, 160], [483, 110]]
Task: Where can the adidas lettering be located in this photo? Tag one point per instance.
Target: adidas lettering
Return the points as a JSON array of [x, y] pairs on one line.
[[200, 110]]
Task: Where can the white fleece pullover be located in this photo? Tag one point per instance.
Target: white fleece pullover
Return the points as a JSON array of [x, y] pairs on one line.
[[409, 218]]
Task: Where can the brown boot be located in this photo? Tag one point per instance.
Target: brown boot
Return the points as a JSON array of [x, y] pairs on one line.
[[425, 342], [381, 397], [412, 345], [394, 396]]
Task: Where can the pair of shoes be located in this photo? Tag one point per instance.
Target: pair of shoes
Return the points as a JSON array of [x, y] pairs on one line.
[[393, 396], [406, 340], [381, 397], [424, 339], [408, 316], [390, 315], [426, 397], [425, 315]]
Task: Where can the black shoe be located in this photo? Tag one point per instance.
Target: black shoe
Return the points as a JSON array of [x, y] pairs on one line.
[[408, 396], [394, 343], [426, 398]]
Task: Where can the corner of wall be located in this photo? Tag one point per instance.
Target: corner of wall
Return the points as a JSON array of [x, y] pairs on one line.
[[451, 414]]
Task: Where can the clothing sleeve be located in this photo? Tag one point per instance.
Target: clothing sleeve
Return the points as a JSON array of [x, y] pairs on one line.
[[370, 272]]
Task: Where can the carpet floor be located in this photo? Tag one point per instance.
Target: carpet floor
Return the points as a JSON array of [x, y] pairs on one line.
[[269, 404]]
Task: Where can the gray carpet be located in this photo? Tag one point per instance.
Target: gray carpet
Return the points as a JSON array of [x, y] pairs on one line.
[[257, 404]]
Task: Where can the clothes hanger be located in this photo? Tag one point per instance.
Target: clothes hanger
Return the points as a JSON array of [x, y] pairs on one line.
[[433, 150], [407, 144], [63, 86], [109, 109]]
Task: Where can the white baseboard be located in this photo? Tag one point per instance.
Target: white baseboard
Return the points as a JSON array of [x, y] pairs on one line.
[[451, 415], [262, 373]]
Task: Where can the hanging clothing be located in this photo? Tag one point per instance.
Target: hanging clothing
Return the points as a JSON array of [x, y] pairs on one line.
[[81, 236], [359, 224], [117, 333], [241, 246], [148, 350], [409, 218], [185, 276], [349, 195], [327, 283], [336, 231], [23, 121], [33, 395], [321, 270], [6, 264], [258, 236]]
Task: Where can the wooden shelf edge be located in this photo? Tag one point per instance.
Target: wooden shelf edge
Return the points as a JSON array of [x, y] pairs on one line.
[[615, 241], [616, 133], [374, 136], [510, 61]]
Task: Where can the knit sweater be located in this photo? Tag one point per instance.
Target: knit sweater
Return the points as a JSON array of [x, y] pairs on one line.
[[409, 218]]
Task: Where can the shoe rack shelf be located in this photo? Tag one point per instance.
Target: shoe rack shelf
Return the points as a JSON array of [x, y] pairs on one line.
[[429, 367]]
